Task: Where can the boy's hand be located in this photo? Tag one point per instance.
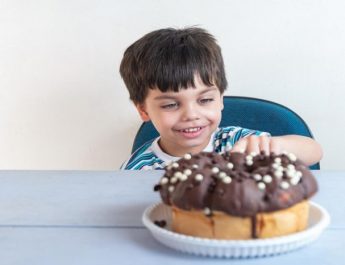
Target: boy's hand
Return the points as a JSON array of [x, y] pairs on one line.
[[305, 148], [257, 144]]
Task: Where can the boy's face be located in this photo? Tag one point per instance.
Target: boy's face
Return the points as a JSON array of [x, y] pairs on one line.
[[186, 119]]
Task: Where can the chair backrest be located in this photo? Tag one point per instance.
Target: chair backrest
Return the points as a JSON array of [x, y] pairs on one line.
[[246, 112]]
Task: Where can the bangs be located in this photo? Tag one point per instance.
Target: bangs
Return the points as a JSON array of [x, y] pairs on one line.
[[178, 69], [176, 59]]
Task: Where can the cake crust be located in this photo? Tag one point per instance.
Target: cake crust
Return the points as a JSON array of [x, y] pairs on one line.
[[224, 226]]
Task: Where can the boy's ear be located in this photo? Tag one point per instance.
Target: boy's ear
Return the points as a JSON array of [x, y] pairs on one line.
[[142, 112]]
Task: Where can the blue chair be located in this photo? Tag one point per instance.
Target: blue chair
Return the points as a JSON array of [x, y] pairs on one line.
[[252, 113]]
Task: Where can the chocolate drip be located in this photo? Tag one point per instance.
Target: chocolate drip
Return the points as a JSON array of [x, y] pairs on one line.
[[253, 222]]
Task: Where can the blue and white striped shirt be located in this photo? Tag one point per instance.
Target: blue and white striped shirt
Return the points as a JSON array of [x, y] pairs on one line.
[[150, 155]]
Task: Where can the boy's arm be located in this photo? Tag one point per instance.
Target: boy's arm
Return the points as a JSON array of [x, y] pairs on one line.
[[305, 148]]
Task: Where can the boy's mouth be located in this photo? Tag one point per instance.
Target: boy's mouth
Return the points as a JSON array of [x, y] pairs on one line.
[[191, 132]]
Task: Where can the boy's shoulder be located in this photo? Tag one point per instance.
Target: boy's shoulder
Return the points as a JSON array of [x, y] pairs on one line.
[[144, 157]]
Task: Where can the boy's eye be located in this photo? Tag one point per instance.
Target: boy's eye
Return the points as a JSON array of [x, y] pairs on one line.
[[206, 100], [169, 106]]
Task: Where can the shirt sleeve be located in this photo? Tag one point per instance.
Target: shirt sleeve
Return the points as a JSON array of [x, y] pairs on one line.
[[226, 137]]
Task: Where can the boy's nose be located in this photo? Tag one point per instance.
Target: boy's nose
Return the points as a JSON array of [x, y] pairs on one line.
[[190, 113]]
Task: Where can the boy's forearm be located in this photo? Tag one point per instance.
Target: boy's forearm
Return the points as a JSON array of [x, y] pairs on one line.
[[305, 148]]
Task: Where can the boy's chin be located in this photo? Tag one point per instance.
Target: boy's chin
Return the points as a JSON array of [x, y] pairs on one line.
[[195, 147], [182, 147]]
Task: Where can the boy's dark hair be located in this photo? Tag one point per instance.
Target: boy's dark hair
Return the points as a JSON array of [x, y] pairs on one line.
[[168, 59]]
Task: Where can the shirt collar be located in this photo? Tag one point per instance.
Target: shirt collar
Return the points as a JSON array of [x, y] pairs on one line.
[[167, 158]]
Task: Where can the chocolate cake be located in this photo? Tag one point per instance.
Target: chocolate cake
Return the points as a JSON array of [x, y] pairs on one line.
[[237, 195]]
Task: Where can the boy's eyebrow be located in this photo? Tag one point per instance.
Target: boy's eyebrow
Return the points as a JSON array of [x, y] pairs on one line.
[[212, 88], [164, 97], [168, 96]]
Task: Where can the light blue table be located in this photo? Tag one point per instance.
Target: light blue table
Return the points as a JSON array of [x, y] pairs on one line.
[[94, 217]]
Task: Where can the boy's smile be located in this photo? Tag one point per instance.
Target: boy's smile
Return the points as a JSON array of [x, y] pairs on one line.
[[185, 119], [192, 132]]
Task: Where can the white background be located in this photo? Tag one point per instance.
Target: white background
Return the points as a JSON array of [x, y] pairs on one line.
[[63, 104]]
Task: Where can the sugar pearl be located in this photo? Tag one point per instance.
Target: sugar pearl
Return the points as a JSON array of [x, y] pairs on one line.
[[261, 185], [230, 165], [187, 172], [177, 174], [291, 166], [175, 165], [195, 166], [187, 156], [207, 211], [290, 173], [171, 188], [215, 170], [277, 160], [164, 181], [267, 179], [275, 165], [227, 180], [284, 185], [280, 168], [292, 157], [199, 177], [173, 180], [257, 177], [222, 174], [299, 174], [278, 174], [295, 180], [183, 177], [249, 162], [249, 157]]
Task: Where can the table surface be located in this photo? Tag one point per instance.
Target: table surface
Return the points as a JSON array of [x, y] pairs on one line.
[[94, 217]]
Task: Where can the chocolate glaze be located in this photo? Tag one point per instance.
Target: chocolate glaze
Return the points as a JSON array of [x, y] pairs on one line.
[[236, 183]]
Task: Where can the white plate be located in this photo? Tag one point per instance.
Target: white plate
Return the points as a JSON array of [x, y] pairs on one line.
[[318, 221]]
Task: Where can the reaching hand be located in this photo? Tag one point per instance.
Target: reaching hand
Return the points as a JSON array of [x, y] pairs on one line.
[[257, 144]]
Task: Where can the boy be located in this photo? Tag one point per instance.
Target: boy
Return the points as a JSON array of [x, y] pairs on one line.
[[176, 79]]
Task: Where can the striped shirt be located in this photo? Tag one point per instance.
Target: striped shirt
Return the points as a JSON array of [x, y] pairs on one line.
[[150, 156]]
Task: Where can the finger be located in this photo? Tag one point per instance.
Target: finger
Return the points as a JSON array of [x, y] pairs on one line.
[[264, 144], [253, 144], [274, 146], [239, 146]]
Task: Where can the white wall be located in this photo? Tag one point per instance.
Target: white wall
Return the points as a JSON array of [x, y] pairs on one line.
[[63, 104]]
